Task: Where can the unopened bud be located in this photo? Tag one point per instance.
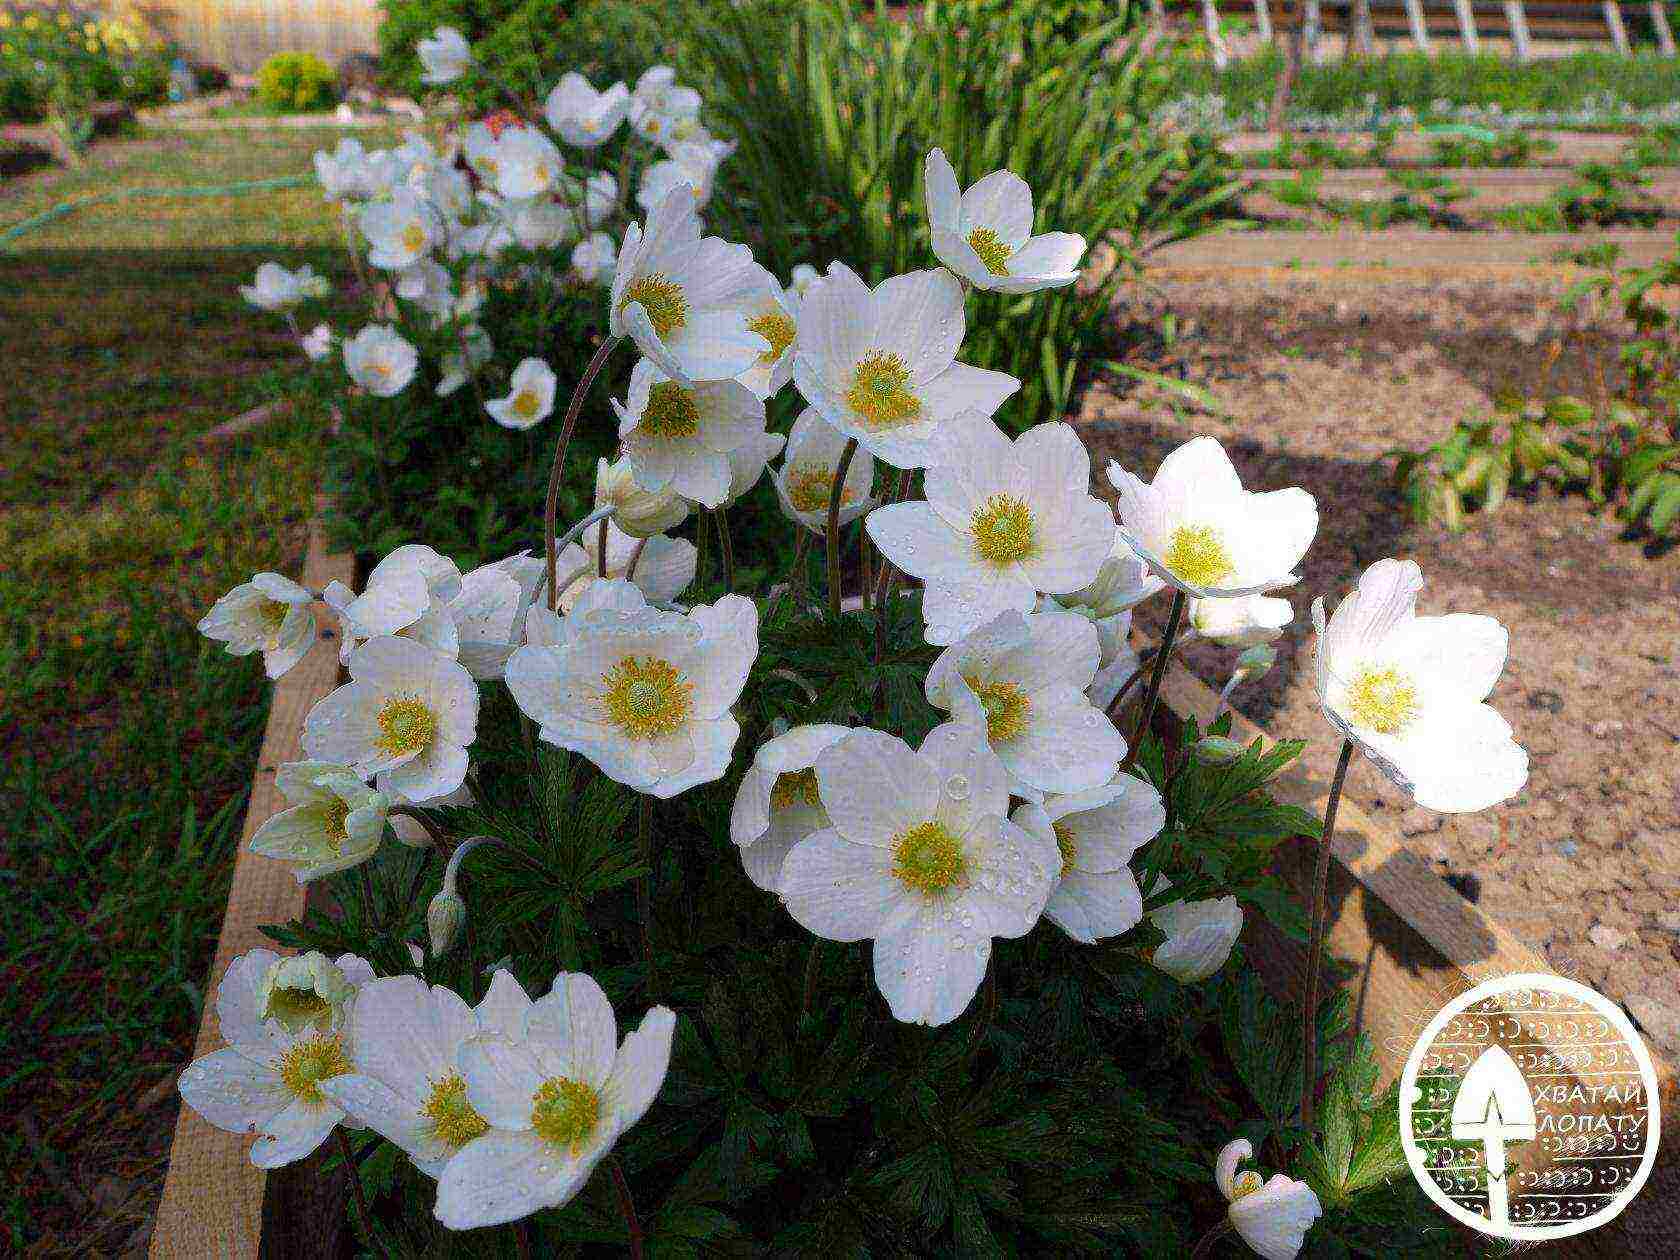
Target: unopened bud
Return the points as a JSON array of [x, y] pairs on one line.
[[1217, 750], [445, 917], [1256, 662]]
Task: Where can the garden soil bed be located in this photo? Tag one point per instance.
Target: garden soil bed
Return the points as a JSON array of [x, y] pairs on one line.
[[1320, 374]]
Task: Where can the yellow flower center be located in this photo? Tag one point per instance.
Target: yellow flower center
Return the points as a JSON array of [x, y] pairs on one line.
[[928, 858], [272, 614], [1006, 707], [1197, 555], [662, 299], [646, 698], [540, 172], [525, 404], [309, 1062], [778, 330], [1003, 531], [810, 485], [880, 391], [993, 252], [671, 411], [796, 787], [414, 238], [454, 1122], [1067, 844], [565, 1112], [1245, 1183], [334, 815], [295, 1008], [1383, 700], [406, 725]]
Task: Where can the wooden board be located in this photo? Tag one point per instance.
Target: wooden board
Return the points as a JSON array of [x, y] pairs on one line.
[[212, 1195]]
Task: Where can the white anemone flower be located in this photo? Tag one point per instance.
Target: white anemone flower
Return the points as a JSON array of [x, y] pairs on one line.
[[445, 56], [343, 173], [1003, 522], [309, 990], [583, 117], [404, 1040], [317, 343], [778, 803], [922, 859], [684, 298], [407, 593], [1247, 621], [527, 164], [1097, 832], [1121, 584], [691, 165], [539, 222], [680, 435], [530, 396], [659, 102], [1409, 691], [1273, 1216], [411, 831], [557, 1093], [401, 230], [1029, 674], [268, 1078], [805, 480], [592, 202], [594, 258], [335, 821], [407, 714], [478, 147], [276, 289], [1197, 528], [748, 462], [775, 317], [459, 366], [637, 511], [985, 234], [489, 612], [881, 365], [664, 566], [644, 694], [380, 360], [269, 614], [429, 286], [1200, 936]]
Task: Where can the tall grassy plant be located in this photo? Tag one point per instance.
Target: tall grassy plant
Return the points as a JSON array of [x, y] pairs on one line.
[[835, 117]]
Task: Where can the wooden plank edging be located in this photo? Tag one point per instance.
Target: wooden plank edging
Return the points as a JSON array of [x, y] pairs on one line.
[[212, 1194]]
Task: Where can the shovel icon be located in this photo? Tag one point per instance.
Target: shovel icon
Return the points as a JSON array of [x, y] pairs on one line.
[[1494, 1107]]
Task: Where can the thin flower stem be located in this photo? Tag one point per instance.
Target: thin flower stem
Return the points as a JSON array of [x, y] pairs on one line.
[[1210, 1239], [627, 1205], [810, 979], [635, 559], [1315, 951], [795, 571], [355, 1182], [866, 584], [978, 1032], [702, 533], [726, 546], [438, 835], [366, 883], [644, 885], [601, 549], [1162, 655], [552, 507], [889, 575], [833, 535], [522, 1239]]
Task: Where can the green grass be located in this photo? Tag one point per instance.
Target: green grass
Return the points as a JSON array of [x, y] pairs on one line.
[[128, 741]]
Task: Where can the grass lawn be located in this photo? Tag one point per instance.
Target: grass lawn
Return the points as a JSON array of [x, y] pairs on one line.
[[128, 741]]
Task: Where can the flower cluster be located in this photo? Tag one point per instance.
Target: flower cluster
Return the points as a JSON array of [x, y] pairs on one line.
[[1022, 805]]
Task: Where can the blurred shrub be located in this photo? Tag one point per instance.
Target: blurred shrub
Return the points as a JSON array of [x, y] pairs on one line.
[[298, 81]]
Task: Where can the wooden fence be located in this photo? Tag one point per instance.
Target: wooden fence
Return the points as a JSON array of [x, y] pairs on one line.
[[238, 35]]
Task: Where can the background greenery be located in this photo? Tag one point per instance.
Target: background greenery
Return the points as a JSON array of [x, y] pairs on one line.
[[54, 57]]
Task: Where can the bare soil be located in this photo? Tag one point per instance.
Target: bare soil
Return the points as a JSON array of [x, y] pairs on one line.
[[1320, 375]]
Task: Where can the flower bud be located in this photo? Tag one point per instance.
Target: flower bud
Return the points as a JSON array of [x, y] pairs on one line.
[[445, 917], [309, 989], [1217, 750], [1257, 661], [640, 513]]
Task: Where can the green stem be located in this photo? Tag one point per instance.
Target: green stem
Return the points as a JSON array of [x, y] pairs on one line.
[[552, 507], [833, 535], [1162, 655], [627, 1205], [1209, 1239], [726, 546], [644, 886], [601, 549], [355, 1177], [1315, 951]]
